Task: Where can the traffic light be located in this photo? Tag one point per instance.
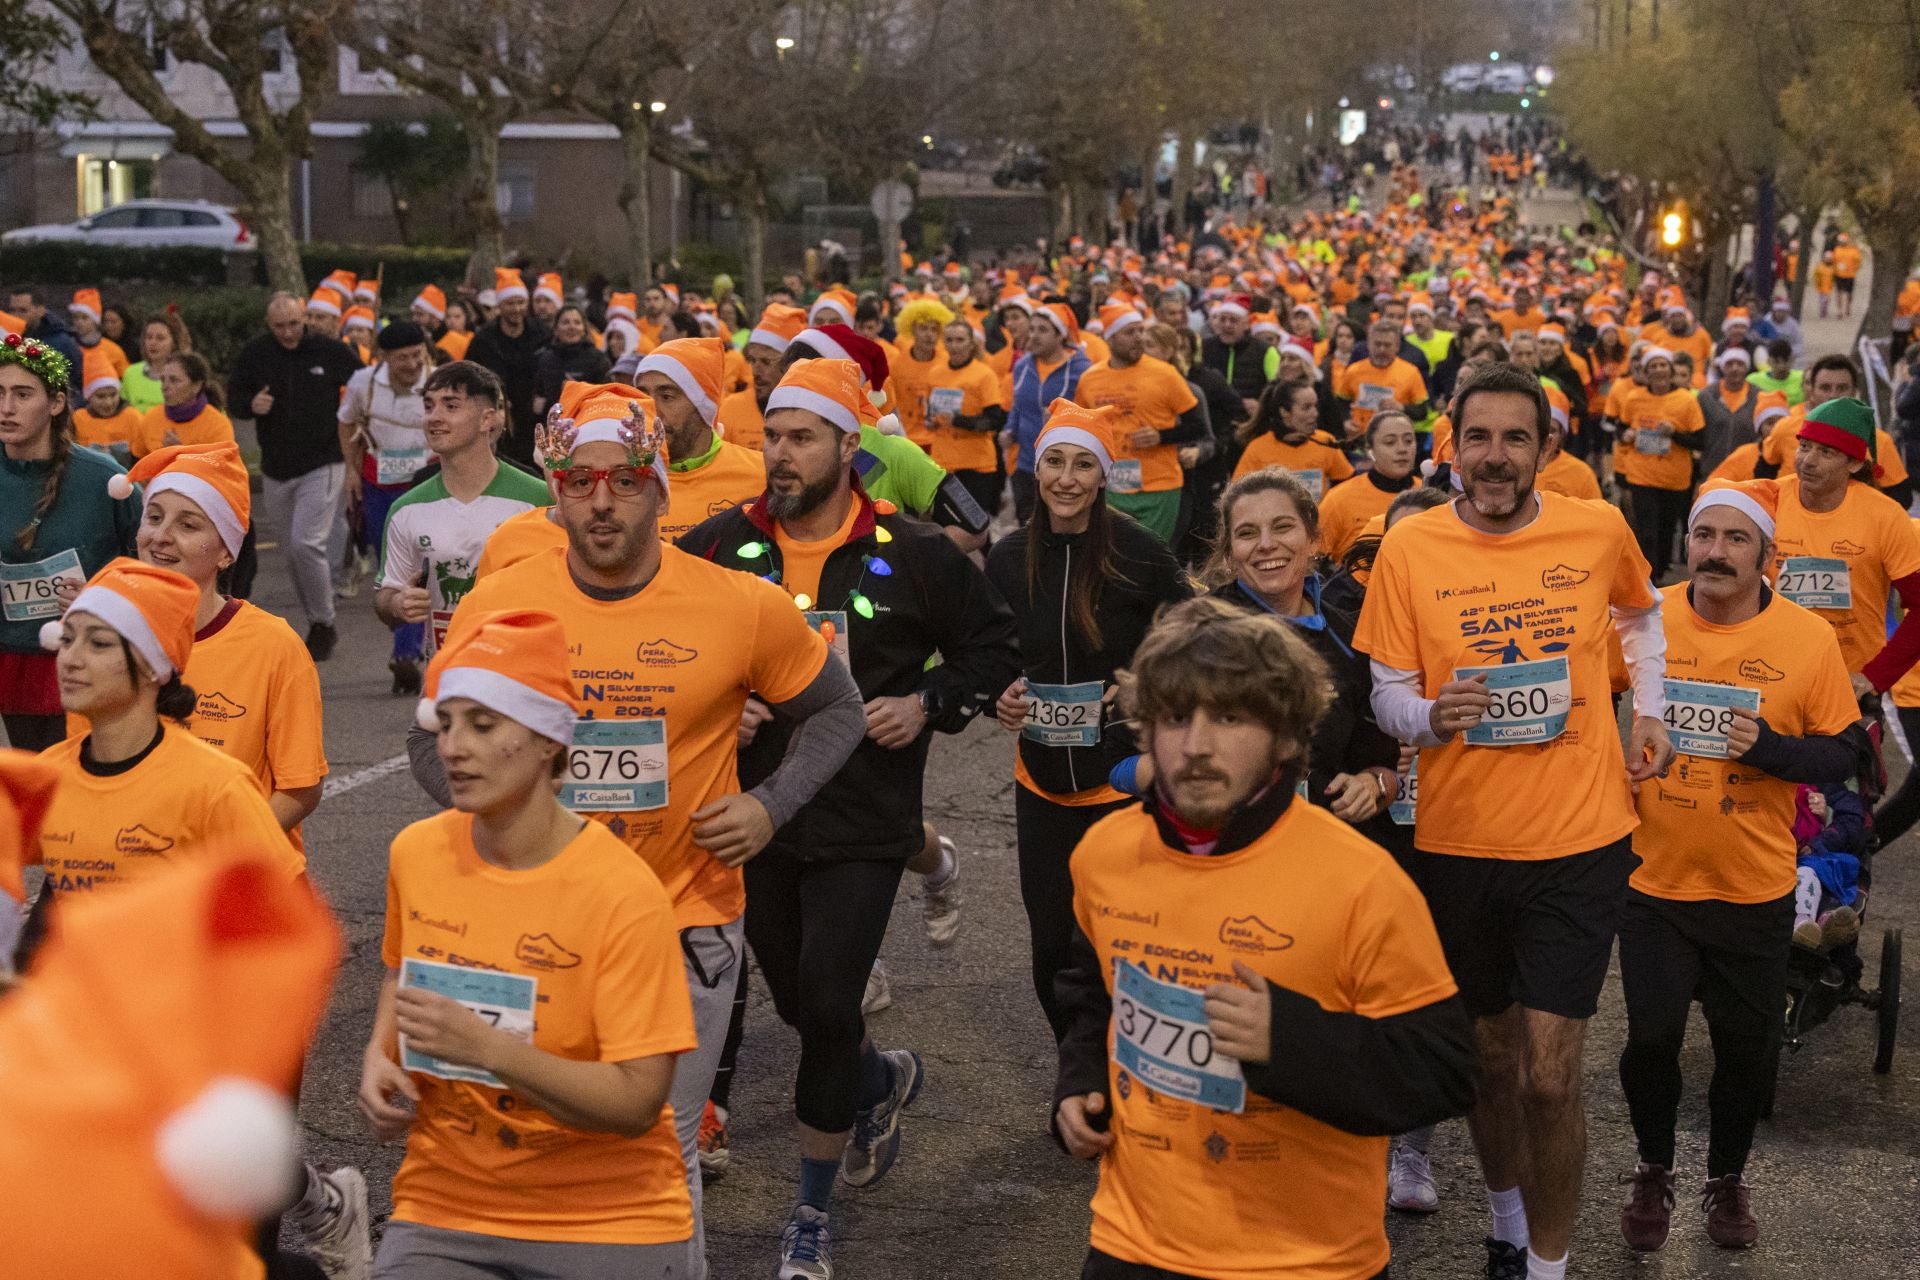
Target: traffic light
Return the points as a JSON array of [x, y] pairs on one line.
[[1671, 230]]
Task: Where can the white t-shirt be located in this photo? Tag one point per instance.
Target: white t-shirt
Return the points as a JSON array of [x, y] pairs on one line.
[[393, 422], [431, 533]]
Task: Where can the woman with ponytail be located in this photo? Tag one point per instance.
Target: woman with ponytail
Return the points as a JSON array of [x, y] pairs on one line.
[[58, 527]]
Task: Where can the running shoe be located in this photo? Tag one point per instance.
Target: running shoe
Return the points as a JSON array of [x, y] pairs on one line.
[[1410, 1185], [1807, 935], [1839, 927], [1505, 1261], [804, 1252], [406, 677], [876, 1131], [1728, 1204], [1648, 1217], [321, 638], [879, 995], [715, 1155], [337, 1233], [941, 906]]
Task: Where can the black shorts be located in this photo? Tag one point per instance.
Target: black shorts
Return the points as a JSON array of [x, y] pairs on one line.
[[1534, 933], [1844, 284]]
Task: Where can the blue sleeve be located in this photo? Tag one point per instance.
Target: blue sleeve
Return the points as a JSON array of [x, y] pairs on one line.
[[1125, 776]]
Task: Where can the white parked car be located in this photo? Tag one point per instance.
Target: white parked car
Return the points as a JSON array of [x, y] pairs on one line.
[[1508, 79], [1463, 77], [149, 223]]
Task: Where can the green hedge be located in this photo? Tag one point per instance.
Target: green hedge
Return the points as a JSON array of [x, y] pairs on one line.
[[220, 321], [406, 267], [51, 263]]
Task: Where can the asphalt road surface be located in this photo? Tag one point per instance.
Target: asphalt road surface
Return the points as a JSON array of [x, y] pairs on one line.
[[981, 1190]]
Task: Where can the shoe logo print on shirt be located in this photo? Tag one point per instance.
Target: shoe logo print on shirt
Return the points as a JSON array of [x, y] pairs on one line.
[[1847, 548], [139, 841], [663, 653], [218, 706], [1562, 578], [1251, 933], [540, 951], [1760, 669]]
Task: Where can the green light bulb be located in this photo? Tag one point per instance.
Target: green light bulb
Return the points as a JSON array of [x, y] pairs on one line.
[[751, 550]]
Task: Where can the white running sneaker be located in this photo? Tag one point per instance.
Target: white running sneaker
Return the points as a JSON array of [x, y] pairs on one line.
[[941, 906], [1410, 1185], [337, 1234], [879, 995], [804, 1252]]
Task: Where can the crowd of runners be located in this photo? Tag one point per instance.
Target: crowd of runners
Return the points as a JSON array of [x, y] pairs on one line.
[[1387, 612]]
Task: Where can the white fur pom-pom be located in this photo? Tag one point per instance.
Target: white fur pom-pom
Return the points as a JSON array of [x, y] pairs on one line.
[[877, 398], [50, 634], [1427, 468], [119, 488], [426, 714], [889, 425], [232, 1153]]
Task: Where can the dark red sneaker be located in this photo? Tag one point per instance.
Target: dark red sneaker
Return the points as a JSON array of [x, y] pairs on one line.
[[1649, 1212], [1729, 1209]]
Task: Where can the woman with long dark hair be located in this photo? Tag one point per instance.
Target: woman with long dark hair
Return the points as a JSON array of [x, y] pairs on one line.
[[58, 527], [571, 357], [1084, 581]]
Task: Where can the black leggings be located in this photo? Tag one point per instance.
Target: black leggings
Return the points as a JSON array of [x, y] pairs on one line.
[[1104, 1266], [1656, 517], [1047, 833], [1900, 810], [816, 929], [1730, 956]]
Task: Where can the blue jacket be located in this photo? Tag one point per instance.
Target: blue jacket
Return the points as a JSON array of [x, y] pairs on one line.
[[1032, 394]]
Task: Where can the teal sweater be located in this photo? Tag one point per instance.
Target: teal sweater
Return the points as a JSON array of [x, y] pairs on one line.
[[84, 519]]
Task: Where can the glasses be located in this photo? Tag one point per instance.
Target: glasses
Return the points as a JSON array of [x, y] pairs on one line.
[[580, 482]]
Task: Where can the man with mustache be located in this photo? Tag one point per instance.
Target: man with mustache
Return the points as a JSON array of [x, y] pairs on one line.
[[1759, 702], [1488, 623], [1238, 948]]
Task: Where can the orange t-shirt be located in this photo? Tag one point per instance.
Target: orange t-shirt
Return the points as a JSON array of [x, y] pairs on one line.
[[1640, 410], [908, 381], [954, 448], [1846, 261], [1570, 476], [1698, 344], [209, 426], [735, 373], [745, 424], [455, 343], [1370, 388], [1149, 393], [1443, 596], [801, 562], [686, 650], [1842, 563], [518, 537], [1738, 465], [1791, 659], [595, 931], [125, 827], [1319, 465], [1346, 511], [1783, 443], [729, 476], [1512, 322], [1313, 907], [100, 433]]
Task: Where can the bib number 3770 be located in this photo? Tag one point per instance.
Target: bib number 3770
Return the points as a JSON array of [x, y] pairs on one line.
[[1530, 702], [1162, 1037], [616, 766]]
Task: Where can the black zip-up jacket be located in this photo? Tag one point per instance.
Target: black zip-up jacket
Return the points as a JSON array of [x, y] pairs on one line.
[[1366, 1076], [1346, 739], [1052, 650], [931, 600], [1244, 366]]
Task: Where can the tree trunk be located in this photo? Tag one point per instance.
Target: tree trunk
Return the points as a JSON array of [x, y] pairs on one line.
[[1809, 254], [1719, 281], [270, 209], [1894, 248], [753, 246], [482, 202], [636, 198], [1182, 180]]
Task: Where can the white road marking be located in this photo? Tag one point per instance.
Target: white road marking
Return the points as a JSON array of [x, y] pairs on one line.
[[360, 777]]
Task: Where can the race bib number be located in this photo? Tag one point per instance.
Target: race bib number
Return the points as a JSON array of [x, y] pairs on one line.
[[945, 400], [397, 466], [1652, 442], [1530, 703], [1814, 582], [831, 626], [1315, 480], [616, 766], [1699, 715], [1064, 715], [1402, 810], [505, 1000], [27, 590], [1162, 1037], [1374, 398], [1125, 476]]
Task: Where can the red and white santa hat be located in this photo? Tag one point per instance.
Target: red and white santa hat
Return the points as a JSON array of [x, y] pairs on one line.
[[1234, 304], [511, 661]]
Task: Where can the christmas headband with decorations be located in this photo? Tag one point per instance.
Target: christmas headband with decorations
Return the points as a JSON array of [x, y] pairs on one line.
[[37, 358], [557, 439]]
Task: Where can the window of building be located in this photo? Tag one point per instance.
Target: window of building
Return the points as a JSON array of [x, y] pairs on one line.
[[106, 182], [514, 195], [370, 196]]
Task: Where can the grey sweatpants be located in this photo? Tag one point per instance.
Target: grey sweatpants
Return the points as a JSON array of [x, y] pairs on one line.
[[713, 954], [410, 1251], [301, 512]]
